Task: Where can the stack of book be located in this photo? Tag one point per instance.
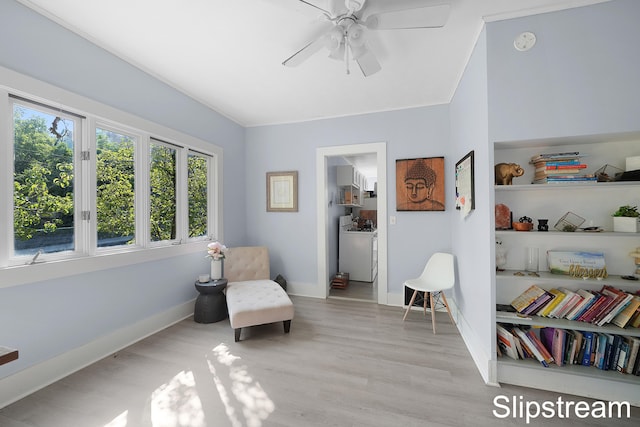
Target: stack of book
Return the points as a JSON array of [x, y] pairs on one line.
[[609, 305], [605, 351], [560, 167]]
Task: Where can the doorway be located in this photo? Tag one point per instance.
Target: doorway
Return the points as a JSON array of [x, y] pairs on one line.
[[324, 198]]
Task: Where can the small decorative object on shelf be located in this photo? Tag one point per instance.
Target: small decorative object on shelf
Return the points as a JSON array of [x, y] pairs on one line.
[[501, 256], [569, 222], [531, 260], [503, 217], [543, 225], [505, 172], [608, 173], [524, 224], [577, 264], [626, 219]]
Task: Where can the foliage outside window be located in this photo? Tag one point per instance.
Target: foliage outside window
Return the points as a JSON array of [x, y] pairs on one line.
[[43, 185], [162, 192], [115, 188], [197, 177]]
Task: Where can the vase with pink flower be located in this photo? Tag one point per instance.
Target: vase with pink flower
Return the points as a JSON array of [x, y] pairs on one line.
[[216, 251]]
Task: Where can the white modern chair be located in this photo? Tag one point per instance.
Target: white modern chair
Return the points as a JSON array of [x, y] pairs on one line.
[[437, 276]]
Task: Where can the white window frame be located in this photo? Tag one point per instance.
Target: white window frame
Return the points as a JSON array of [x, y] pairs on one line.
[[80, 170], [179, 190], [91, 258], [138, 167], [210, 195]]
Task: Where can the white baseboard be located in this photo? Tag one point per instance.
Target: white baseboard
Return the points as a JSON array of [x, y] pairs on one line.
[[34, 378], [486, 367]]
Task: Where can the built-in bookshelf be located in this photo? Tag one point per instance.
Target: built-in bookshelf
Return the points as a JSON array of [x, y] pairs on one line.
[[593, 201]]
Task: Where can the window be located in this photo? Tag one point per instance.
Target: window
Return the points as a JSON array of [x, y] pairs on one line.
[[75, 185], [197, 184], [162, 191], [115, 188], [43, 183]]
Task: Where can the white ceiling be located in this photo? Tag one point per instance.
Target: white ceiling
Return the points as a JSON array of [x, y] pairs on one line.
[[228, 53]]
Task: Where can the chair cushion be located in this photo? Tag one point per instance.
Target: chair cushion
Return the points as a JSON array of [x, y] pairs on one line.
[[256, 302]]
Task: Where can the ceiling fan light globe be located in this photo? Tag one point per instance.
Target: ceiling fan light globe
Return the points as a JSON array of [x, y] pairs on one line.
[[337, 53], [334, 38], [355, 35]]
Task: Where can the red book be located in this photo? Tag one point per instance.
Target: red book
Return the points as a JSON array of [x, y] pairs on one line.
[[621, 299], [598, 305], [559, 167]]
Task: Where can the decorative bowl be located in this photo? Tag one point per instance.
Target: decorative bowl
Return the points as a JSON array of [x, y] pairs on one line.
[[522, 226]]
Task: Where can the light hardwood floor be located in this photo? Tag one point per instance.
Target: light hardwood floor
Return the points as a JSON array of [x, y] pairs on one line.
[[345, 363], [359, 291]]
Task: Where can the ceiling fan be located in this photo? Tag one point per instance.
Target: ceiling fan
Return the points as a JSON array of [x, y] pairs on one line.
[[349, 21]]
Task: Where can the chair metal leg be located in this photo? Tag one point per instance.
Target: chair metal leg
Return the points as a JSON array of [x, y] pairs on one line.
[[424, 302], [413, 298], [446, 304], [433, 312]]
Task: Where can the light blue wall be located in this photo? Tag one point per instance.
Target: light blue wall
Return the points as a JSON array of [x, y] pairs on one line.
[[291, 237], [580, 78], [472, 243], [48, 318]]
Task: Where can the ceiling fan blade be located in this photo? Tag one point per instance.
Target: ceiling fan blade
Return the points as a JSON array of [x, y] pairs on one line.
[[419, 17], [368, 64], [305, 53], [326, 12]]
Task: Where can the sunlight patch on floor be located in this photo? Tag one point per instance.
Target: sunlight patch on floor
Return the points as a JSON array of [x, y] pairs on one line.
[[176, 403], [254, 403]]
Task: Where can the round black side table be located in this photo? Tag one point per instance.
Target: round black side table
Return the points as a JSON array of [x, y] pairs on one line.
[[211, 304]]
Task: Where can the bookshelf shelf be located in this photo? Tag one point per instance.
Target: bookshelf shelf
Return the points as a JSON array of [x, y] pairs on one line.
[[579, 234], [505, 317], [546, 277], [594, 201], [571, 379], [567, 186], [583, 371]]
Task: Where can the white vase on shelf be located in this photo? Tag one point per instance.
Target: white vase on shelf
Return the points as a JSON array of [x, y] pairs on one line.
[[216, 269]]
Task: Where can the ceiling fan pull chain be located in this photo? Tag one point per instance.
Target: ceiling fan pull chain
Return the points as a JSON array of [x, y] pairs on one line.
[[346, 53]]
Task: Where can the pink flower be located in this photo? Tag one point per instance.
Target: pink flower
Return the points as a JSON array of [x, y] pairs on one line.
[[216, 250]]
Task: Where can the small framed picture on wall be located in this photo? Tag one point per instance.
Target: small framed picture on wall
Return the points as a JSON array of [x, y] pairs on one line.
[[465, 194], [282, 191]]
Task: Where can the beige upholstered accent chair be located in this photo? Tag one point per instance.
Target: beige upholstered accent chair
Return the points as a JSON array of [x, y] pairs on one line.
[[253, 298]]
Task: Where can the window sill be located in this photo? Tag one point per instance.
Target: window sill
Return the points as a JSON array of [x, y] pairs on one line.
[[23, 274]]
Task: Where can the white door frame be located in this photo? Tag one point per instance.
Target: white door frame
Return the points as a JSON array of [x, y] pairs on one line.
[[322, 155]]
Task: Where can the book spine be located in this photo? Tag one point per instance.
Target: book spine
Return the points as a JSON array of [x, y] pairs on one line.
[[548, 167], [586, 357], [527, 342], [558, 163]]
